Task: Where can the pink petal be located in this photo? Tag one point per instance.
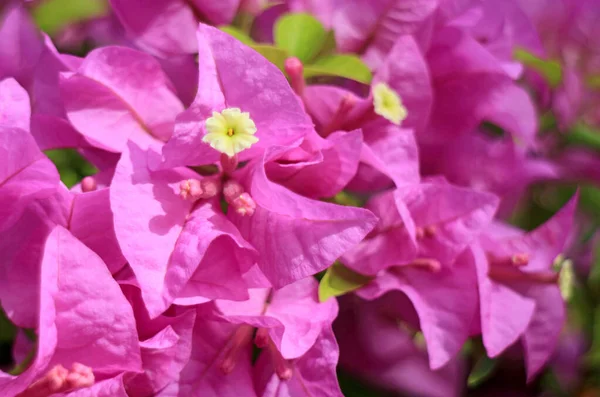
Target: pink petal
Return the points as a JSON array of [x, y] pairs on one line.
[[321, 232], [92, 223], [541, 337], [505, 313], [202, 371], [234, 75], [25, 173], [165, 27], [14, 105], [298, 308], [82, 289], [340, 154], [406, 71], [372, 27], [445, 312], [164, 356], [166, 242], [314, 373], [122, 90], [458, 214]]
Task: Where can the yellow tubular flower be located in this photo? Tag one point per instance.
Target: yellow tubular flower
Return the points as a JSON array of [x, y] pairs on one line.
[[230, 131], [388, 104]]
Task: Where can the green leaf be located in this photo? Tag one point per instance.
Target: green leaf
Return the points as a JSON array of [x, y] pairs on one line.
[[584, 135], [482, 371], [238, 34], [594, 277], [7, 328], [339, 280], [348, 66], [53, 15], [348, 199], [301, 35], [593, 81], [71, 166], [275, 55], [589, 200], [329, 45], [593, 356], [551, 70]]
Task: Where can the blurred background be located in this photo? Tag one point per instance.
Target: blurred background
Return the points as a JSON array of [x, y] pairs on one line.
[[392, 361]]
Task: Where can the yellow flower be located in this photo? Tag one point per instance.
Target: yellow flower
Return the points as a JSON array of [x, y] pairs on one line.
[[230, 131], [388, 103]]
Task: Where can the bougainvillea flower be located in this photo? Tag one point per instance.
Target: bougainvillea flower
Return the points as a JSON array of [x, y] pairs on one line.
[[212, 338], [499, 27], [163, 355], [74, 325], [403, 73], [86, 215], [334, 159], [371, 28], [519, 292], [486, 163], [291, 317], [374, 348], [314, 373], [233, 75], [429, 222], [461, 66], [247, 81], [177, 248], [445, 313], [294, 331], [167, 27], [118, 94]]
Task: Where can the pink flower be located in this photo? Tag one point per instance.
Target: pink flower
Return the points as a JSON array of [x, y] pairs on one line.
[[519, 293]]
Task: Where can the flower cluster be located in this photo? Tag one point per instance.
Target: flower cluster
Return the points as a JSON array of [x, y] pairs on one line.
[[248, 177]]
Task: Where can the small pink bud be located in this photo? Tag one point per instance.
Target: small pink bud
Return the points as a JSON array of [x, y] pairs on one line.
[[80, 376], [190, 189], [210, 187], [261, 339], [240, 339], [295, 71], [60, 380], [282, 367], [88, 184], [232, 190], [244, 204], [420, 233], [521, 259], [430, 231], [229, 164], [516, 260], [432, 265]]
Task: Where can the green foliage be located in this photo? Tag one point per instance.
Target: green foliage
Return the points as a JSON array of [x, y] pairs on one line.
[[339, 280], [584, 135], [482, 370], [342, 65], [71, 166], [301, 35], [550, 69], [53, 15], [275, 55], [7, 328], [238, 34]]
